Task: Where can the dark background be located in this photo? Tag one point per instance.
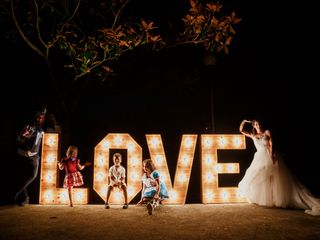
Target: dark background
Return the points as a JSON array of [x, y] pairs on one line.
[[269, 75]]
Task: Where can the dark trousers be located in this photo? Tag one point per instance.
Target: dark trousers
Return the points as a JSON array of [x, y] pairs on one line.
[[29, 167]]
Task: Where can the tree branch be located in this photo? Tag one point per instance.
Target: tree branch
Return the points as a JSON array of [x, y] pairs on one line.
[[117, 17], [38, 29], [24, 37], [72, 16]]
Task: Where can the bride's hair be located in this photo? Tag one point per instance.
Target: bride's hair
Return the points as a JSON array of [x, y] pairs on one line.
[[254, 131]]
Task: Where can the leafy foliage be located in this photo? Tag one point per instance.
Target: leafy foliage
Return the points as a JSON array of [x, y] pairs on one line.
[[93, 34], [203, 25]]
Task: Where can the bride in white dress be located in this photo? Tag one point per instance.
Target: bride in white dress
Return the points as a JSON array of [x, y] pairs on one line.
[[268, 181]]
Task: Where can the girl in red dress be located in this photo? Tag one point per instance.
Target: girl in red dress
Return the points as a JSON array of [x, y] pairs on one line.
[[71, 164]]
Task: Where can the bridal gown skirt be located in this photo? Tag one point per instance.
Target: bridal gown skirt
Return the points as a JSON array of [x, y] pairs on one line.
[[273, 185]]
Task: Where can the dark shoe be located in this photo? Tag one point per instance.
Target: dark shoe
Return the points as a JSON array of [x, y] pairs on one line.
[[25, 202], [125, 206], [150, 208], [106, 206]]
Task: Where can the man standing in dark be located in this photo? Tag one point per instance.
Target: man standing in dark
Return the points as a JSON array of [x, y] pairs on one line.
[[28, 154]]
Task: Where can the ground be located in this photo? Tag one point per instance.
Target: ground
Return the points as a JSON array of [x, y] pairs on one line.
[[189, 221]]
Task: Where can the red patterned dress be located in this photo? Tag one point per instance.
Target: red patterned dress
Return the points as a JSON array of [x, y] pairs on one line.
[[73, 177]]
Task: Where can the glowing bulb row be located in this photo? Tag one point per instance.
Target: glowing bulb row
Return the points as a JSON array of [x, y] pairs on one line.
[[210, 168]]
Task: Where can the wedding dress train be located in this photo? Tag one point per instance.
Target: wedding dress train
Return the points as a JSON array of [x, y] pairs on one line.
[[272, 184]]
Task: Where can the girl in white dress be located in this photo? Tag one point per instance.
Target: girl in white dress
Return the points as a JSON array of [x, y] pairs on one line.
[[154, 190], [268, 181]]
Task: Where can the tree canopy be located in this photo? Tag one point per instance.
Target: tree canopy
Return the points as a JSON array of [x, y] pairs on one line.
[[84, 39], [93, 34]]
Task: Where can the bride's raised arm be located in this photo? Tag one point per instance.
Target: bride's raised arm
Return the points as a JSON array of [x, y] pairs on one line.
[[246, 133]]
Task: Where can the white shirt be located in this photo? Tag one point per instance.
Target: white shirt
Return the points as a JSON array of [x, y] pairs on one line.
[[117, 173]]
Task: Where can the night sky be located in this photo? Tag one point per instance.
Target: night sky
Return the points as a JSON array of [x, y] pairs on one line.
[[175, 92]]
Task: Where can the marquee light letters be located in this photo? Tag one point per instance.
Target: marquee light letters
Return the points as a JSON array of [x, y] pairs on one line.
[[210, 168], [49, 193]]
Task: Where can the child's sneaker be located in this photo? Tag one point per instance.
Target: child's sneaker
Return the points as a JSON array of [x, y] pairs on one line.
[[125, 206], [106, 206]]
